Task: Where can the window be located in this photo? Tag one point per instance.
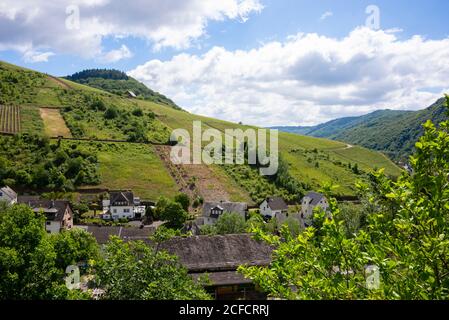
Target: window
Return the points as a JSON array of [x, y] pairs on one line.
[[48, 223], [114, 210], [126, 210]]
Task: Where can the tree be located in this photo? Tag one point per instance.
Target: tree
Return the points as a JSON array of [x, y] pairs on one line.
[[111, 113], [28, 268], [73, 247], [183, 200], [405, 238], [230, 223], [135, 271], [172, 212]]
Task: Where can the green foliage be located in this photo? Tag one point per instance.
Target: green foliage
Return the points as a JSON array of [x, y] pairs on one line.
[[172, 212], [73, 247], [405, 237], [183, 200], [135, 271], [94, 115], [31, 267], [230, 223], [35, 163]]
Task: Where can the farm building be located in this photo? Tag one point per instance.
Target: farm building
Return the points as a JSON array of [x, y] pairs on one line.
[[103, 233]]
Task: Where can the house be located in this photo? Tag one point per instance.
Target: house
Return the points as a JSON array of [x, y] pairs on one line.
[[213, 210], [308, 204], [272, 207], [131, 94], [8, 195], [122, 205], [218, 257], [58, 213]]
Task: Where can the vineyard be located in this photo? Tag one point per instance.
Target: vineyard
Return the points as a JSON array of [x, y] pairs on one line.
[[9, 119]]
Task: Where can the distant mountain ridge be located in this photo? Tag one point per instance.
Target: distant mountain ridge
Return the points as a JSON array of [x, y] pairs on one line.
[[118, 82], [390, 131]]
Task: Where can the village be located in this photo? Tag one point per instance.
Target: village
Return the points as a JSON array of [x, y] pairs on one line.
[[123, 214]]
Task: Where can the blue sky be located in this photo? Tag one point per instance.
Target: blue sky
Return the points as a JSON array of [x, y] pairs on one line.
[[235, 31]]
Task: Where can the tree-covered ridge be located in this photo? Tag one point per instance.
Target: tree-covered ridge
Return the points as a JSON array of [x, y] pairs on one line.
[[392, 132], [110, 74], [118, 82]]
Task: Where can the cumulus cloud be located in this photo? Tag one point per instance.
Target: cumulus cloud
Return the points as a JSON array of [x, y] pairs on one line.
[[306, 79], [326, 15], [34, 24], [36, 56], [117, 55]]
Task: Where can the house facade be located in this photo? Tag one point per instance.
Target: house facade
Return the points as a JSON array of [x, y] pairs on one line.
[[122, 205], [213, 210], [311, 201], [8, 195], [59, 215], [273, 207]]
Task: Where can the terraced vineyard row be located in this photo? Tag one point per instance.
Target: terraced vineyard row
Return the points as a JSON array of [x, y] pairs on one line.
[[9, 119]]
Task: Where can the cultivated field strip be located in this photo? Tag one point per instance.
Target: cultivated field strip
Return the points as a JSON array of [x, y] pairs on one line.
[[9, 119]]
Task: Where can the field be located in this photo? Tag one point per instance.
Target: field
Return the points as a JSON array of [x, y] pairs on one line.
[[54, 123], [9, 119], [133, 166]]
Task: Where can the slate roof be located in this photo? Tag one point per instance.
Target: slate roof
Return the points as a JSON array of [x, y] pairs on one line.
[[126, 197], [54, 210], [9, 192], [218, 253], [103, 233], [315, 197], [276, 203], [227, 207]]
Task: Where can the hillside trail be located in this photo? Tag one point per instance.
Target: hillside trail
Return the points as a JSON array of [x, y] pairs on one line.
[[59, 82], [194, 179]]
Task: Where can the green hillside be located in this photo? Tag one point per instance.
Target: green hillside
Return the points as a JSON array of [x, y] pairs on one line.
[[392, 132], [119, 83], [90, 113]]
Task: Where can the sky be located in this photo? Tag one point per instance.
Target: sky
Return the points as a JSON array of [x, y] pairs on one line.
[[260, 62]]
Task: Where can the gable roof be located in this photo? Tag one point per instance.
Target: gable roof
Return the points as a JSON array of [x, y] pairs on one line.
[[218, 253], [10, 193], [315, 197], [54, 210], [226, 207], [126, 197], [103, 233], [276, 203]]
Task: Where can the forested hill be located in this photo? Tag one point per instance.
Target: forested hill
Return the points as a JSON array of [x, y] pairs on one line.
[[392, 132], [119, 83]]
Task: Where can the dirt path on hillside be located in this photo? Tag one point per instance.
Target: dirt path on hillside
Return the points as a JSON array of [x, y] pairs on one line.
[[59, 82], [194, 179]]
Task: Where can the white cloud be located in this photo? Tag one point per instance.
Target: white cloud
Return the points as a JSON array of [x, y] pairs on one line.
[[326, 15], [117, 55], [306, 79], [36, 24], [36, 56]]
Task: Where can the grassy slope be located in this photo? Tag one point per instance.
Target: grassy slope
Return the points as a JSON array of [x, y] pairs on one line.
[[296, 149]]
